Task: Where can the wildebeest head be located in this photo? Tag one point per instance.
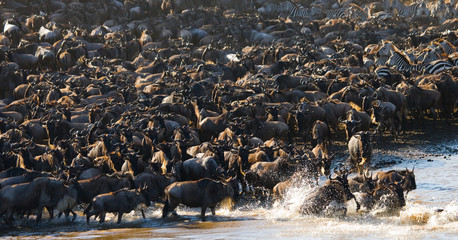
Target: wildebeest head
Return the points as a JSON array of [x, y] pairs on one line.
[[408, 180], [341, 179], [378, 113], [221, 190], [236, 187], [243, 153], [143, 191], [364, 183], [350, 123], [390, 196], [366, 104]]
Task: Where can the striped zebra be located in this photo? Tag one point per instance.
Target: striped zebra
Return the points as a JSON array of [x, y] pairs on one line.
[[417, 8], [402, 62], [298, 11], [383, 54], [337, 13], [384, 72], [438, 66], [446, 46], [277, 9], [428, 55], [441, 10]]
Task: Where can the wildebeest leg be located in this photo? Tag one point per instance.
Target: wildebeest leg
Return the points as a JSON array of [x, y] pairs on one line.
[[202, 213], [74, 215], [380, 130], [166, 209], [89, 214], [433, 112], [51, 213], [169, 206], [358, 206], [143, 213], [119, 217], [39, 213], [102, 217], [8, 218], [213, 211]]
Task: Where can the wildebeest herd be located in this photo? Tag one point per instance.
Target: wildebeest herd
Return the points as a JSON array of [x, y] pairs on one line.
[[113, 104]]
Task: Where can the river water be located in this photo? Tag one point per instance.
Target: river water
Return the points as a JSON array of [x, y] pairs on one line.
[[431, 213]]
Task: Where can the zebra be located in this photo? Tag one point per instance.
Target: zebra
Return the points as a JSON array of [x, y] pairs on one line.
[[402, 62], [428, 55], [298, 11], [441, 10], [279, 9], [415, 9], [337, 13], [384, 52], [447, 47], [438, 66], [384, 72]]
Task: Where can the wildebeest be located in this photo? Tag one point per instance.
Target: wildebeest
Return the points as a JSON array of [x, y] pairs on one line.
[[334, 191], [360, 149], [281, 188], [395, 97], [405, 178], [322, 159], [155, 185], [120, 202], [197, 168], [420, 99], [385, 114], [357, 121], [41, 193], [386, 199], [268, 174], [202, 193], [362, 183], [26, 177], [88, 189], [321, 133]]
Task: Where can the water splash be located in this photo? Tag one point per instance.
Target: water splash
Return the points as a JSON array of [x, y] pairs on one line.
[[289, 206], [420, 214]]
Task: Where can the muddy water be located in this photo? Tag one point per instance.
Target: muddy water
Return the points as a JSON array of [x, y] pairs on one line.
[[431, 212]]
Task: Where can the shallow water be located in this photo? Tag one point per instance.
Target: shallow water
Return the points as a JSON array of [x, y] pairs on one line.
[[437, 188]]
